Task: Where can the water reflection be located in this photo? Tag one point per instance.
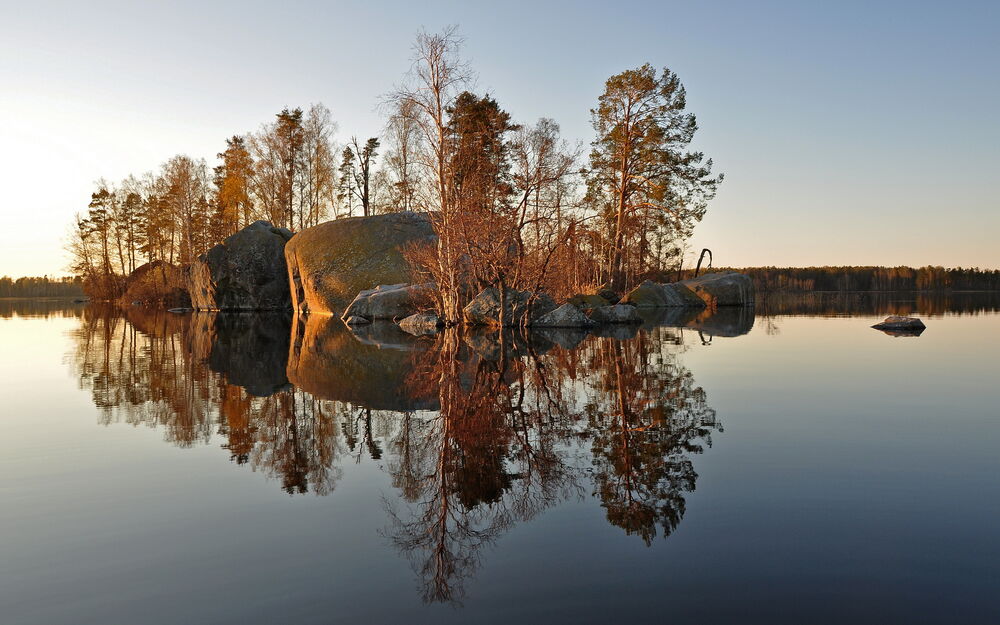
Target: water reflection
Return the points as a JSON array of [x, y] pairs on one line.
[[479, 431], [58, 307], [904, 303]]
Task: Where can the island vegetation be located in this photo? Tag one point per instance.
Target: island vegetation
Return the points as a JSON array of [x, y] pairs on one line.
[[513, 204], [513, 212]]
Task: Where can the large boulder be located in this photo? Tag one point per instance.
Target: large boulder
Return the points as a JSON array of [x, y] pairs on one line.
[[395, 301], [329, 264], [651, 294], [484, 309], [245, 272], [727, 288], [157, 283], [566, 316], [618, 313]]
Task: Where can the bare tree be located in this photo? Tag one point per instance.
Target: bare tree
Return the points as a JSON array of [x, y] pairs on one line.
[[435, 80], [404, 140]]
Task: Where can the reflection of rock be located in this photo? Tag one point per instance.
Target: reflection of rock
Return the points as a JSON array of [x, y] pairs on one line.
[[566, 316], [246, 272], [727, 288], [896, 323], [619, 313], [903, 333], [620, 331], [484, 309], [386, 335], [251, 350], [157, 282], [486, 343], [673, 317], [421, 324], [727, 322], [331, 263], [394, 301], [327, 361], [566, 338]]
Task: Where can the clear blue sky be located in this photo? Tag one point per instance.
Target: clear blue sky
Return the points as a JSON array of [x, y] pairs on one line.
[[849, 132]]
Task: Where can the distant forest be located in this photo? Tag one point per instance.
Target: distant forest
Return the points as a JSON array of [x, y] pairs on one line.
[[40, 287], [773, 279]]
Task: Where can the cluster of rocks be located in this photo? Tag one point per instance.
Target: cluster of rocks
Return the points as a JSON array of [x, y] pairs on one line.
[[584, 311], [356, 268]]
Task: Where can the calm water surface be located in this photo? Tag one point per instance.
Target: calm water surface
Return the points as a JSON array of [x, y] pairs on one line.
[[796, 467]]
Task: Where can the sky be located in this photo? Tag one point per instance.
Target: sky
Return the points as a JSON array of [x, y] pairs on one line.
[[849, 132]]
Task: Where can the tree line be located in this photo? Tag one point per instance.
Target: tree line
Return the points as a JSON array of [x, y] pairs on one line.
[[929, 278], [515, 205], [43, 286]]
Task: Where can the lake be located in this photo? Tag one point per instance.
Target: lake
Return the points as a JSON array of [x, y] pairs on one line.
[[793, 466]]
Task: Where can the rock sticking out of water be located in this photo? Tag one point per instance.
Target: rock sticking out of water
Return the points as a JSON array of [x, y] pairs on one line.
[[896, 325], [420, 324], [619, 313]]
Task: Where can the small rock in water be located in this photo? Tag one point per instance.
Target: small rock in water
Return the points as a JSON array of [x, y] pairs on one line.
[[421, 324], [901, 326], [179, 310], [566, 316], [896, 322]]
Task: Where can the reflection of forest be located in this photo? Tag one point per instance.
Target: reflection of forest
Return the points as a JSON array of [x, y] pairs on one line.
[[478, 431], [829, 303]]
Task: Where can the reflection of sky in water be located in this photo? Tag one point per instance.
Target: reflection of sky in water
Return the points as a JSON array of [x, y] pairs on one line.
[[854, 479]]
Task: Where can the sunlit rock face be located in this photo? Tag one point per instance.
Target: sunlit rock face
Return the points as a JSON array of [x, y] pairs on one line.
[[651, 294], [371, 370], [727, 288], [329, 264], [157, 283], [245, 272]]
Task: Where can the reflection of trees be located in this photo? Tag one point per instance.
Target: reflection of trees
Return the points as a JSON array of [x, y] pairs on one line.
[[153, 369], [485, 461], [642, 445], [506, 444], [833, 303], [484, 431]]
